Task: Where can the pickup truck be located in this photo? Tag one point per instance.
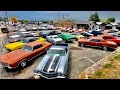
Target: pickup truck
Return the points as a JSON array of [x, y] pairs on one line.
[[20, 57], [55, 63]]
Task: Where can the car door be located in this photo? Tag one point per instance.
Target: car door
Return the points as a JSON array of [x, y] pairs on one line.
[[92, 42], [99, 43]]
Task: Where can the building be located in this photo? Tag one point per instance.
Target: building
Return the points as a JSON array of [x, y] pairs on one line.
[[97, 25], [73, 24], [112, 25]]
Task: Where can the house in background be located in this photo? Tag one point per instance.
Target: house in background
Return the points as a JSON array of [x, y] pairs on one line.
[[97, 25], [112, 25]]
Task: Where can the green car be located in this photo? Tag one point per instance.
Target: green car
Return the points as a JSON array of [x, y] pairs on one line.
[[67, 37]]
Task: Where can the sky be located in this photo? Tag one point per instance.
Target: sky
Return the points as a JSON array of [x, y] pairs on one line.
[[53, 15]]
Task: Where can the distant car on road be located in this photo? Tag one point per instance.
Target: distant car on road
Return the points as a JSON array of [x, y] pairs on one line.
[[54, 39], [55, 63], [21, 57], [14, 38], [97, 42]]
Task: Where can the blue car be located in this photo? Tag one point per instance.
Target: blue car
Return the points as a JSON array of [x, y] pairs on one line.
[[95, 33]]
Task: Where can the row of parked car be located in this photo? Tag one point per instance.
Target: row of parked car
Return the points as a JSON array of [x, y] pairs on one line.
[[53, 65]]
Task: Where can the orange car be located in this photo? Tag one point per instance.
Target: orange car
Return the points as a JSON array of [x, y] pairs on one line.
[[20, 57]]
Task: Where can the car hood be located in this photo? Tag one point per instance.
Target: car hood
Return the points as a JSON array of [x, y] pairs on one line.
[[110, 42], [12, 45], [13, 56], [51, 64]]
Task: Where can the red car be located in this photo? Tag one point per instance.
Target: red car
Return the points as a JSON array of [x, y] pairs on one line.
[[20, 57], [111, 38], [80, 30], [97, 42]]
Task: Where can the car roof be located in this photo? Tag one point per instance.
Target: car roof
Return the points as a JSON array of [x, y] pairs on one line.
[[33, 43], [14, 36], [95, 37], [25, 32]]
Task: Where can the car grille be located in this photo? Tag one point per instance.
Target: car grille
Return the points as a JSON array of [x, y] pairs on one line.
[[50, 75]]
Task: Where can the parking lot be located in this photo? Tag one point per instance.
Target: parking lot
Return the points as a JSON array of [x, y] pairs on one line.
[[80, 59]]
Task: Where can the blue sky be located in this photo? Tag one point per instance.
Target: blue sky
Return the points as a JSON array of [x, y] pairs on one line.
[[53, 15]]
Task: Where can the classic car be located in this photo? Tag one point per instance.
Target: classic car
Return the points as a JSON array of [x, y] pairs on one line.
[[63, 29], [41, 28], [54, 39], [20, 57], [95, 33], [28, 28], [44, 33], [111, 38], [34, 34], [25, 34], [55, 63], [67, 37], [22, 30], [80, 30], [54, 33], [77, 36], [14, 38], [18, 45], [34, 28], [97, 42], [86, 34], [4, 30], [72, 30]]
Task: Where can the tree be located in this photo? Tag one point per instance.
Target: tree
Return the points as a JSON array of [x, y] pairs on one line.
[[94, 17], [111, 19]]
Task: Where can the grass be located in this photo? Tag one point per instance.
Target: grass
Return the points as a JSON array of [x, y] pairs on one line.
[[110, 70]]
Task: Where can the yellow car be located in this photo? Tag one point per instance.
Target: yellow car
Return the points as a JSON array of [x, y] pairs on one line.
[[77, 35], [18, 45]]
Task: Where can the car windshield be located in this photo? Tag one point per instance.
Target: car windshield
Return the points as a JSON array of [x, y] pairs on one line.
[[27, 48], [54, 51], [24, 40]]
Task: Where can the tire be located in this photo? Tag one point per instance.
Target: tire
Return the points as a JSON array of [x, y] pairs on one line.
[[23, 64], [81, 44], [105, 48]]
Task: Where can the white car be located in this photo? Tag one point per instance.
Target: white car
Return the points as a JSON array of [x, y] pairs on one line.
[[34, 34], [22, 30], [34, 28], [54, 39], [42, 28], [14, 38]]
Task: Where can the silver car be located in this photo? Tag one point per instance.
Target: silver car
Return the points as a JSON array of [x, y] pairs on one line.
[[54, 39], [55, 63]]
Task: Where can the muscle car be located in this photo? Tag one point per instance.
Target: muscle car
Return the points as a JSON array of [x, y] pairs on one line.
[[55, 63], [54, 39], [111, 38], [18, 45], [95, 33], [67, 37], [97, 42], [77, 36], [14, 38], [20, 57], [34, 34]]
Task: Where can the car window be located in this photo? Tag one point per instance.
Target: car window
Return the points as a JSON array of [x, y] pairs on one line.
[[31, 40], [37, 46], [93, 40], [105, 37], [98, 40]]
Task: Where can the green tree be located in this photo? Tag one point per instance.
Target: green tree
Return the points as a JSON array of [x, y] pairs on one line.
[[94, 17], [111, 19]]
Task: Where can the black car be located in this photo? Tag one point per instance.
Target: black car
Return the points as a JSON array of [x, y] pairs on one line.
[[4, 30], [86, 34], [54, 33]]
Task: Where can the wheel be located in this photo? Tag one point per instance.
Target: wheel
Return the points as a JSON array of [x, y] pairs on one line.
[[23, 64], [81, 44], [105, 48]]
